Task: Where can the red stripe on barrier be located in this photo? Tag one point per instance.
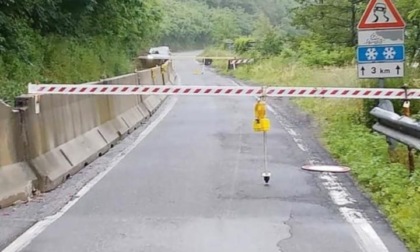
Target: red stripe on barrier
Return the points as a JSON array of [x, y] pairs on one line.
[[373, 93]]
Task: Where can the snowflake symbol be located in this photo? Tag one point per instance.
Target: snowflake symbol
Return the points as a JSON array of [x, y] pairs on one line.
[[389, 53], [371, 54]]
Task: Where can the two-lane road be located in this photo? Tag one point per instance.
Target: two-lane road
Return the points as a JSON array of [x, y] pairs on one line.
[[192, 183]]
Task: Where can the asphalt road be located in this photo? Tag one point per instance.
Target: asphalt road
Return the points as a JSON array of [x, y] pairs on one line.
[[192, 181]]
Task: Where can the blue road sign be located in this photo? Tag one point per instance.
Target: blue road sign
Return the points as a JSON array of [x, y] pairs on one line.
[[387, 53]]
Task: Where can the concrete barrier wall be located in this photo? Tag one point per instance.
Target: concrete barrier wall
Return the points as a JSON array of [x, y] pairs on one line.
[[54, 136], [16, 178]]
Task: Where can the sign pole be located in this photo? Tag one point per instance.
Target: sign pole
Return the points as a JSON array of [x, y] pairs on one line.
[[381, 83], [265, 174]]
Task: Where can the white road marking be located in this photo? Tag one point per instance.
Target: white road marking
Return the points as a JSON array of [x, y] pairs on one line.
[[337, 192], [367, 238], [26, 238]]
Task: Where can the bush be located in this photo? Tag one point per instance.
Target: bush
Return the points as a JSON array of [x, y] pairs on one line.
[[312, 54], [270, 45], [243, 44]]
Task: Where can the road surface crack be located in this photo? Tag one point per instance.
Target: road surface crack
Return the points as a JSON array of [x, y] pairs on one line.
[[289, 225]]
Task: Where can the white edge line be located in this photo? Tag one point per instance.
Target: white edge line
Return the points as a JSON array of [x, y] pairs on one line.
[[367, 239], [26, 238]]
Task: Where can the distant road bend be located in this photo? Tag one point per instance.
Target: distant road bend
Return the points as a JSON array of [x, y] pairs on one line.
[[191, 182]]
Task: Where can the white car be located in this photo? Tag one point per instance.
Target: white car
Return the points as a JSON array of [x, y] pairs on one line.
[[161, 52]]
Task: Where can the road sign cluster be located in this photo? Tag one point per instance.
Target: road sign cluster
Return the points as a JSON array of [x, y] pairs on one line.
[[381, 50]]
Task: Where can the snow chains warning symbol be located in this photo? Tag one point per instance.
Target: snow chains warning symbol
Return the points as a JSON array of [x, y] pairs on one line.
[[371, 54]]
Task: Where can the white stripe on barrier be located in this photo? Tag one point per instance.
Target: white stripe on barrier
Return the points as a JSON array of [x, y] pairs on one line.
[[321, 92], [241, 61]]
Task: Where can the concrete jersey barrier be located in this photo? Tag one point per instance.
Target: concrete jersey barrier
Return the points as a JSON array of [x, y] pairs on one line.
[[16, 177], [49, 138]]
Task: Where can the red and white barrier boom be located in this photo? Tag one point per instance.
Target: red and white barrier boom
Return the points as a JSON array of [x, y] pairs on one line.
[[316, 92]]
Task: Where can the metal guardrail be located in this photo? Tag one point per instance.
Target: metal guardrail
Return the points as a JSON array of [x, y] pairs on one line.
[[400, 128]]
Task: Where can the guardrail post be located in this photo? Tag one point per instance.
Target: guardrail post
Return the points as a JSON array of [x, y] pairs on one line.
[[407, 112]]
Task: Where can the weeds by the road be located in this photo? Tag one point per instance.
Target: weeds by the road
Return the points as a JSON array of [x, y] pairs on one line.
[[345, 135], [62, 61]]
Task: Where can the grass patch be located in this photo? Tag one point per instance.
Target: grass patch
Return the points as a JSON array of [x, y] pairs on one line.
[[381, 174]]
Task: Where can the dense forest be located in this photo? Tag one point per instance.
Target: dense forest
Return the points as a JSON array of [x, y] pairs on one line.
[[79, 40]]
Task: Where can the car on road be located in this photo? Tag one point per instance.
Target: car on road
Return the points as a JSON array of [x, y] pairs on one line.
[[159, 52]]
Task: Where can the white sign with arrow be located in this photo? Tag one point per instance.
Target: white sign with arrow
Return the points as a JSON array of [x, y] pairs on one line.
[[383, 70]]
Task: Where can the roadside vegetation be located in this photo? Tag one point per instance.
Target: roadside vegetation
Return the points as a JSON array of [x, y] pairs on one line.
[[67, 41], [295, 42]]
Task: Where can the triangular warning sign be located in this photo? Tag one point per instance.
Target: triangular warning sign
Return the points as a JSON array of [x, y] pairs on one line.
[[381, 14]]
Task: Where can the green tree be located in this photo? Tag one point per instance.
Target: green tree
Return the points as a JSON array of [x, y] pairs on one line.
[[224, 25], [410, 10], [335, 21], [185, 24]]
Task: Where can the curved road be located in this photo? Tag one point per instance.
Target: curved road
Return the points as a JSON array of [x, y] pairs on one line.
[[191, 182]]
